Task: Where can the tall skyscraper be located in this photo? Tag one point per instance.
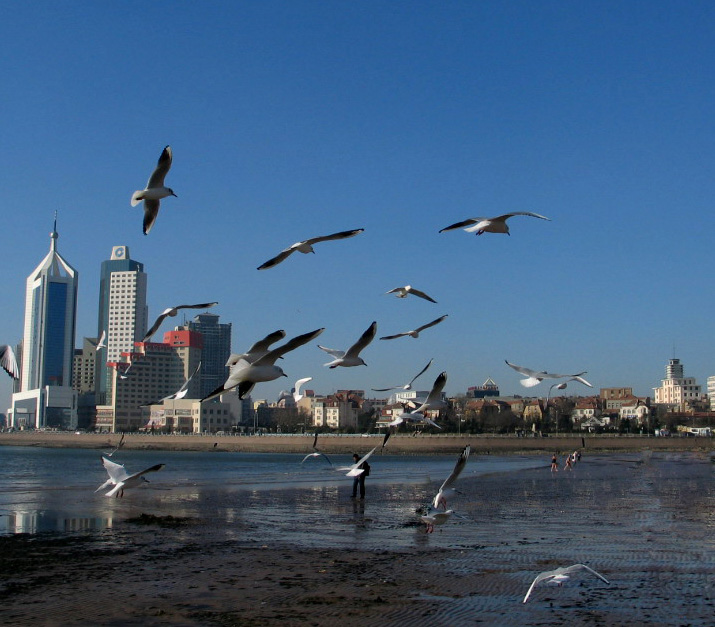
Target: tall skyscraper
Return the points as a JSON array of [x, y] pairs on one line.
[[46, 398], [123, 313], [216, 351]]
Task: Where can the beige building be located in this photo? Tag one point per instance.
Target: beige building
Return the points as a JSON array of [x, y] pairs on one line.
[[191, 416], [83, 366], [677, 390]]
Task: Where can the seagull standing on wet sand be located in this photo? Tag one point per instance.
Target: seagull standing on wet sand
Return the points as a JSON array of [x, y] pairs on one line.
[[490, 225], [351, 357], [306, 246], [559, 575], [154, 191]]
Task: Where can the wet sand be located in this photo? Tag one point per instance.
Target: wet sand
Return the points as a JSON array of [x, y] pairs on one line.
[[423, 444], [644, 520]]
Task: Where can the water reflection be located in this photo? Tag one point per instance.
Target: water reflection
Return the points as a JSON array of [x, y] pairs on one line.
[[44, 521]]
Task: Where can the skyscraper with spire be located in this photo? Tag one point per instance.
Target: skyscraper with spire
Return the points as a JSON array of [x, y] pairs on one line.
[[46, 398]]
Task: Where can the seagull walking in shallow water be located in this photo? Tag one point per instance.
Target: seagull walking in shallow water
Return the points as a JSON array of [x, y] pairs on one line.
[[559, 575], [490, 225], [121, 479], [404, 292], [154, 190], [415, 332], [306, 246], [351, 357]]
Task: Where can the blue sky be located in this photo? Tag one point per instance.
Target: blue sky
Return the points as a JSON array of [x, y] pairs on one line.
[[294, 119]]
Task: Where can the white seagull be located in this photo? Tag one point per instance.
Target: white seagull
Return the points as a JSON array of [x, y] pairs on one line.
[[180, 393], [117, 447], [121, 479], [415, 332], [434, 400], [559, 575], [404, 292], [102, 341], [124, 374], [534, 377], [8, 361], [172, 311], [407, 386], [432, 518], [296, 390], [490, 225], [316, 452], [355, 470], [258, 349], [245, 374], [306, 247], [446, 488], [154, 191], [351, 357]]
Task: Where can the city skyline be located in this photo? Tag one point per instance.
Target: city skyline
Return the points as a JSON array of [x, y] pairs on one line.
[[294, 121]]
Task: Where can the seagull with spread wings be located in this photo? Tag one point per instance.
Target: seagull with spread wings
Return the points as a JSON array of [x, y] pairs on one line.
[[102, 341], [351, 357], [171, 312], [258, 349], [154, 190], [415, 332], [180, 393], [316, 452], [8, 361], [404, 292], [559, 575], [296, 389], [245, 374], [121, 479], [432, 515], [490, 225], [355, 470], [534, 377], [407, 386], [306, 246]]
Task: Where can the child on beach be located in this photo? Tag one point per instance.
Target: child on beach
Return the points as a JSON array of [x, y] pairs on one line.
[[569, 464]]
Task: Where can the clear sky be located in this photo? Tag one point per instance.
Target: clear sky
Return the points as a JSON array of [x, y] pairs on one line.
[[294, 119]]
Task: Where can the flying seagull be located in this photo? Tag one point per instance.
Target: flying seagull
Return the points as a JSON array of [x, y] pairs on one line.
[[121, 479], [534, 377], [355, 470], [404, 292], [351, 357], [180, 393], [296, 390], [258, 349], [490, 225], [245, 374], [306, 247], [316, 452], [407, 386], [102, 339], [559, 575], [446, 487], [124, 374], [434, 400], [172, 311], [8, 361], [119, 445], [415, 332], [154, 191]]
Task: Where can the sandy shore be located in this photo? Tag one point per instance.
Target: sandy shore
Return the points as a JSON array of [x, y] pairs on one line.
[[643, 520], [399, 444]]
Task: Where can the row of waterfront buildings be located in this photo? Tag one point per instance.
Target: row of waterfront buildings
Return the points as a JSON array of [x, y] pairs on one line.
[[116, 382]]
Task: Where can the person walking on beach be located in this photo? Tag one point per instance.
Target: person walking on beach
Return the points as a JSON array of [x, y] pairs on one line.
[[554, 463], [569, 464], [360, 479]]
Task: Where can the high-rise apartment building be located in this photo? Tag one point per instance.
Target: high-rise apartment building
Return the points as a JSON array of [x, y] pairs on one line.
[[46, 398], [676, 389], [123, 313], [215, 353]]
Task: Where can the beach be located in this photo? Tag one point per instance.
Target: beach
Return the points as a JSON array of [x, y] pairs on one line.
[[314, 556], [423, 444]]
